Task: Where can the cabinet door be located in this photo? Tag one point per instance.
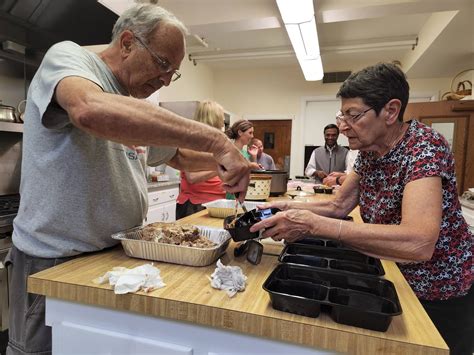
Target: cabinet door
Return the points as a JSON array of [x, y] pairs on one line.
[[156, 214], [165, 212], [70, 337], [170, 211]]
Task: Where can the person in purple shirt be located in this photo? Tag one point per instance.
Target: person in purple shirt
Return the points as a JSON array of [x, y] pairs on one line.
[[263, 159]]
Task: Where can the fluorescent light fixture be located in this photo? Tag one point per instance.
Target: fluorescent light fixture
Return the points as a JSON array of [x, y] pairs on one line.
[[371, 46], [239, 55], [300, 24], [312, 69], [296, 11]]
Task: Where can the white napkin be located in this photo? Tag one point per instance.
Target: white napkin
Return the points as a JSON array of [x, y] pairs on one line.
[[145, 278], [228, 278]]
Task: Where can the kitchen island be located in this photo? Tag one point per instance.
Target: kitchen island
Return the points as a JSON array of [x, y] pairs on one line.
[[187, 316]]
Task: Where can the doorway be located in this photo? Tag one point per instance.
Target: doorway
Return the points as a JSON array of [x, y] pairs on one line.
[[276, 138], [454, 129], [454, 122]]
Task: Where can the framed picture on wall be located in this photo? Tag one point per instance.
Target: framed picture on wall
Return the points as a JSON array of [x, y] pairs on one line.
[[268, 140]]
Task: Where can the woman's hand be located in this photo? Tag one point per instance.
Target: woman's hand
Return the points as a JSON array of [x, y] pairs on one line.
[[290, 225], [282, 205], [253, 151]]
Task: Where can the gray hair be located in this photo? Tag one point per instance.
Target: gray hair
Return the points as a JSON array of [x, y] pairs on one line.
[[142, 19]]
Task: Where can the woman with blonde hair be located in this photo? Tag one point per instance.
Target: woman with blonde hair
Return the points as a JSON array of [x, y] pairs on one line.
[[201, 186]]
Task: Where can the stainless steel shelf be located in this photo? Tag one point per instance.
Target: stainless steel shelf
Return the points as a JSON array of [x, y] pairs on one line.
[[11, 127]]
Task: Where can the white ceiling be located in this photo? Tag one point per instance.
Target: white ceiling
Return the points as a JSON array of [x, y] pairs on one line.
[[352, 33]]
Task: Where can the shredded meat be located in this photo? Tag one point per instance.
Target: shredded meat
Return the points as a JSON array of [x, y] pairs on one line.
[[177, 234]]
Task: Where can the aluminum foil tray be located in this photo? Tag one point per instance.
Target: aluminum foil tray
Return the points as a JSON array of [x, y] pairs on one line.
[[176, 254], [224, 208]]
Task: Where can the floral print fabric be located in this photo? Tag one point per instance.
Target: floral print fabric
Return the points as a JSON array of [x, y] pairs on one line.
[[421, 153]]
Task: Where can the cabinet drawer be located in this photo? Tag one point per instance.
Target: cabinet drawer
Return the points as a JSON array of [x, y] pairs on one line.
[[162, 196]]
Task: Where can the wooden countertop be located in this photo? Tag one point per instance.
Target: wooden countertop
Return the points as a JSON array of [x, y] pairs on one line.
[[189, 297]]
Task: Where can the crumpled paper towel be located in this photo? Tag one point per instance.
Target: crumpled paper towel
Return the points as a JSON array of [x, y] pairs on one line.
[[228, 278], [145, 278]]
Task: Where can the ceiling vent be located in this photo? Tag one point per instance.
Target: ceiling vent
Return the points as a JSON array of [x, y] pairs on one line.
[[335, 77]]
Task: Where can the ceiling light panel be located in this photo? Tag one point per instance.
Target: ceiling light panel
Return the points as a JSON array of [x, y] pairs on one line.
[[296, 11], [300, 24]]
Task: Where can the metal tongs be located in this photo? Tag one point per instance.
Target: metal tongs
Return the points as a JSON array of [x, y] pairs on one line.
[[236, 209], [252, 248], [236, 195]]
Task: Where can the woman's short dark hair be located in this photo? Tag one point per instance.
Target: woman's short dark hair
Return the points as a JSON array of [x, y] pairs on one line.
[[241, 125], [376, 85]]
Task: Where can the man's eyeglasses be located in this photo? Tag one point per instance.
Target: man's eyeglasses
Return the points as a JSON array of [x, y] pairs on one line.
[[164, 65], [350, 118]]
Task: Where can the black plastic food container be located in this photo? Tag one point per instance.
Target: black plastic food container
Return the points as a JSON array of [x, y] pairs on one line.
[[321, 243], [330, 255], [356, 300], [240, 229]]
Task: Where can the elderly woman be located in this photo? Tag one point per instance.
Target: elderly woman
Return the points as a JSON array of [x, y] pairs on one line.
[[404, 182]]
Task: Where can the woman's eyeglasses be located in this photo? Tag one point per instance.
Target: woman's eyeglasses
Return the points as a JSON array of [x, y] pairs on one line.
[[350, 118]]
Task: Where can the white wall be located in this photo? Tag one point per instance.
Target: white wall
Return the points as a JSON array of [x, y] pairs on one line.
[[282, 92], [278, 92], [196, 83]]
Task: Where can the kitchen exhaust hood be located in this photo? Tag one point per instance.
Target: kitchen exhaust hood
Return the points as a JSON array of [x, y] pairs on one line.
[[38, 24]]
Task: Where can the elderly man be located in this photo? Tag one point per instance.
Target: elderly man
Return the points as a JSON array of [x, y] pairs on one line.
[[82, 179], [329, 158], [264, 160]]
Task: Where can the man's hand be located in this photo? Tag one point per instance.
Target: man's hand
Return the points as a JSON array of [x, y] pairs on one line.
[[320, 174], [233, 169], [330, 180]]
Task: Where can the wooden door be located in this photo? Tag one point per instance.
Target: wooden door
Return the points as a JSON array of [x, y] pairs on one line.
[[460, 115], [276, 138]]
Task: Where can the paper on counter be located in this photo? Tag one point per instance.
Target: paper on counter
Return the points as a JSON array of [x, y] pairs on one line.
[[144, 278], [228, 278]]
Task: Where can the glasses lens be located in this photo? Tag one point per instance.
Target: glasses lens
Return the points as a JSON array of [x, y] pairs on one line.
[[176, 75]]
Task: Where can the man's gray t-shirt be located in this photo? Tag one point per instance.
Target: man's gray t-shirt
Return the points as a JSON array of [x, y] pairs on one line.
[[76, 189]]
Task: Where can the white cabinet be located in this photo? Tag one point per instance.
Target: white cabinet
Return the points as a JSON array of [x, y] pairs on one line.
[[83, 339], [162, 213], [79, 328], [162, 204]]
